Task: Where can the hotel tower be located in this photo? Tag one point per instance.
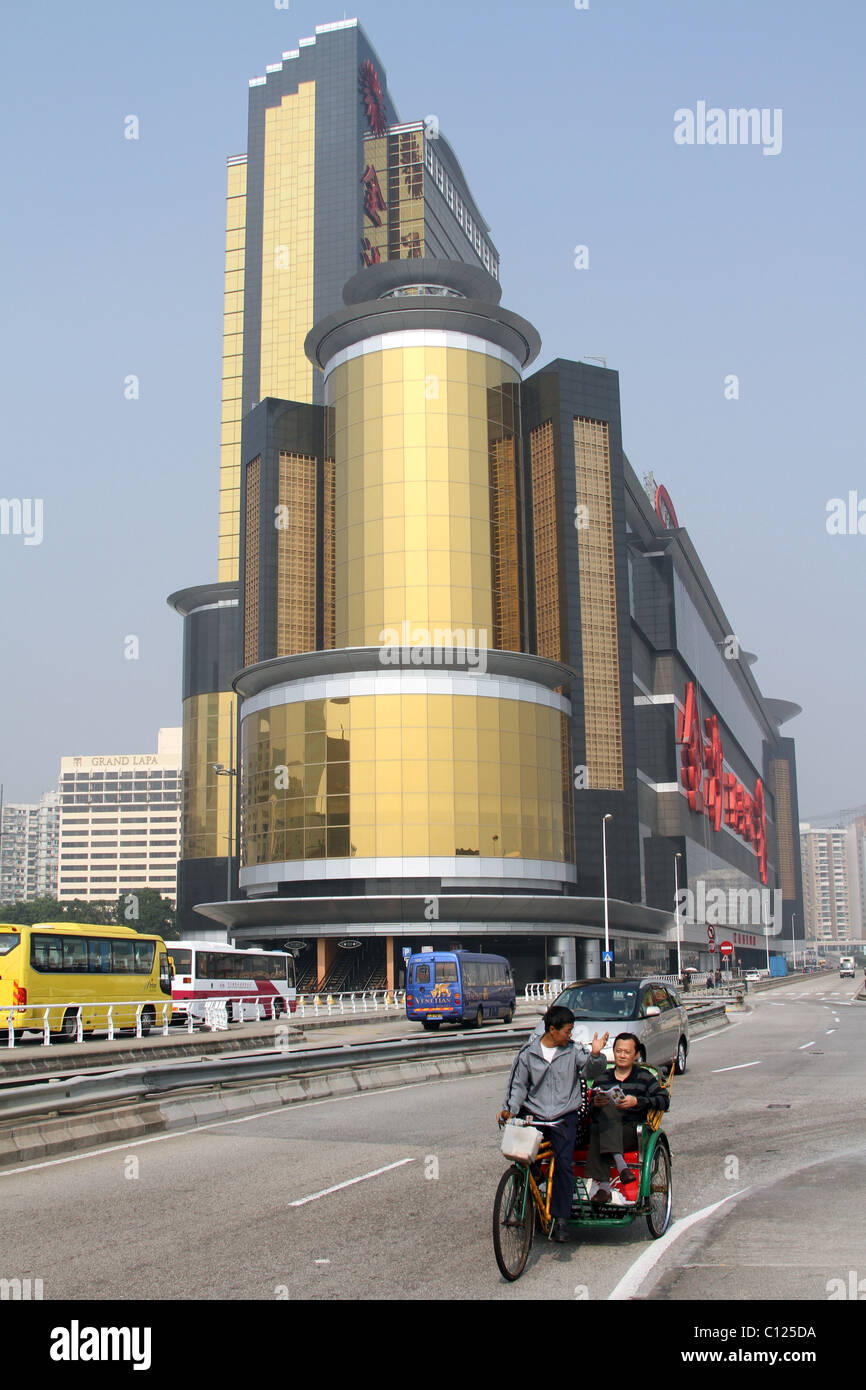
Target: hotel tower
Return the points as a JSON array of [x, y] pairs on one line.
[[452, 635]]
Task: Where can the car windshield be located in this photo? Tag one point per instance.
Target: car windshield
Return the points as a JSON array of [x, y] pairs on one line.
[[600, 1001]]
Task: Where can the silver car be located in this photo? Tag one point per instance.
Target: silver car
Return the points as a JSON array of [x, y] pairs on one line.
[[645, 1006]]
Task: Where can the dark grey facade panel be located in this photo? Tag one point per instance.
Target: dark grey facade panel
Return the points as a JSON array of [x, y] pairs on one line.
[[276, 426], [654, 738], [210, 645], [201, 881], [653, 602], [643, 662]]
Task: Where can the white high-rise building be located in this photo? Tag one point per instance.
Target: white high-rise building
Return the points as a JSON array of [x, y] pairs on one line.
[[834, 880], [28, 849], [120, 822]]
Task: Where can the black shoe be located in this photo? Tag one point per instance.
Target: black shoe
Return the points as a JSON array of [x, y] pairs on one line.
[[627, 1175], [560, 1230]]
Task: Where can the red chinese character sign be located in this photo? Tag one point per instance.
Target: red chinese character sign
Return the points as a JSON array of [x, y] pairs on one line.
[[372, 98], [374, 202], [719, 795], [665, 509], [691, 758]]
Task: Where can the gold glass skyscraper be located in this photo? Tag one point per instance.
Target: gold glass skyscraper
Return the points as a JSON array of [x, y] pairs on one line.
[[330, 181]]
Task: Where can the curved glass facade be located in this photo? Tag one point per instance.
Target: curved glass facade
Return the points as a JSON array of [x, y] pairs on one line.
[[427, 495], [406, 775], [206, 740]]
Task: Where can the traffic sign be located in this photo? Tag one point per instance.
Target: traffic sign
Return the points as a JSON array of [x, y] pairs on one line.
[[727, 948], [607, 955], [713, 948], [711, 934]]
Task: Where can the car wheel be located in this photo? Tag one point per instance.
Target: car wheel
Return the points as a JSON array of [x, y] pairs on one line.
[[479, 1017], [508, 1015], [148, 1020], [681, 1058], [431, 1024]]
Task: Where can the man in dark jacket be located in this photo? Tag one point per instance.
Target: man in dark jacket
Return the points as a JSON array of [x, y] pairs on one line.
[[547, 1082], [615, 1117]]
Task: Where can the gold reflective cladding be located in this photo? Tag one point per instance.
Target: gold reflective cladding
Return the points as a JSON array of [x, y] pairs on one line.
[[296, 554], [399, 164], [233, 336], [251, 562], [287, 246], [601, 687], [780, 785], [546, 541], [404, 775], [426, 495], [206, 740]]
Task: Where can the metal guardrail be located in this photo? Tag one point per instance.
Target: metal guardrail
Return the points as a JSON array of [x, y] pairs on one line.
[[140, 1083], [10, 1010], [543, 989], [212, 1012], [354, 1002]]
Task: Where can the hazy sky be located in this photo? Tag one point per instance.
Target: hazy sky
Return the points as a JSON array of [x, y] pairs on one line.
[[705, 261]]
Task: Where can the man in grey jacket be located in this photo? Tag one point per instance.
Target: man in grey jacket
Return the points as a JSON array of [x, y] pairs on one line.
[[548, 1082]]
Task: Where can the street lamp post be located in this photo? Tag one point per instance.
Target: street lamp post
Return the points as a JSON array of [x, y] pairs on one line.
[[606, 921], [794, 939], [677, 856]]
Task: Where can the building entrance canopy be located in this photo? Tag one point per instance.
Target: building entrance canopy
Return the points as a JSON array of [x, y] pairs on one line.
[[477, 914]]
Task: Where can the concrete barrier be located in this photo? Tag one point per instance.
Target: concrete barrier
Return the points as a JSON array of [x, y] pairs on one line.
[[35, 1140]]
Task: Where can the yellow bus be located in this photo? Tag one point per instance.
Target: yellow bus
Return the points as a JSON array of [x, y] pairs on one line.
[[61, 966]]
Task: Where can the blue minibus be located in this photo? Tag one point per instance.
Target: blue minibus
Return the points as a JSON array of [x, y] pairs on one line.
[[458, 987]]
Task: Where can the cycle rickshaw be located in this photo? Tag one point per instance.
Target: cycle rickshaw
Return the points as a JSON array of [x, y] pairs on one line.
[[525, 1189]]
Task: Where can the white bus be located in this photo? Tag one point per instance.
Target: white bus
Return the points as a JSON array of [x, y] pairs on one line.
[[209, 970]]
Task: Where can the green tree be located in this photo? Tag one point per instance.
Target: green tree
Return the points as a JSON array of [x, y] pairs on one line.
[[50, 910], [147, 911]]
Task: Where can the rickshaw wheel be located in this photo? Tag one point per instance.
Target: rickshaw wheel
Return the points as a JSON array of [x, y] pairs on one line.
[[660, 1193], [512, 1235]]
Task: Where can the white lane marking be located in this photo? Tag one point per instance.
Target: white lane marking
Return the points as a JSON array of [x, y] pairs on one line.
[[635, 1276], [338, 1187], [738, 1067], [829, 1030], [238, 1120], [777, 1006], [808, 1044]]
